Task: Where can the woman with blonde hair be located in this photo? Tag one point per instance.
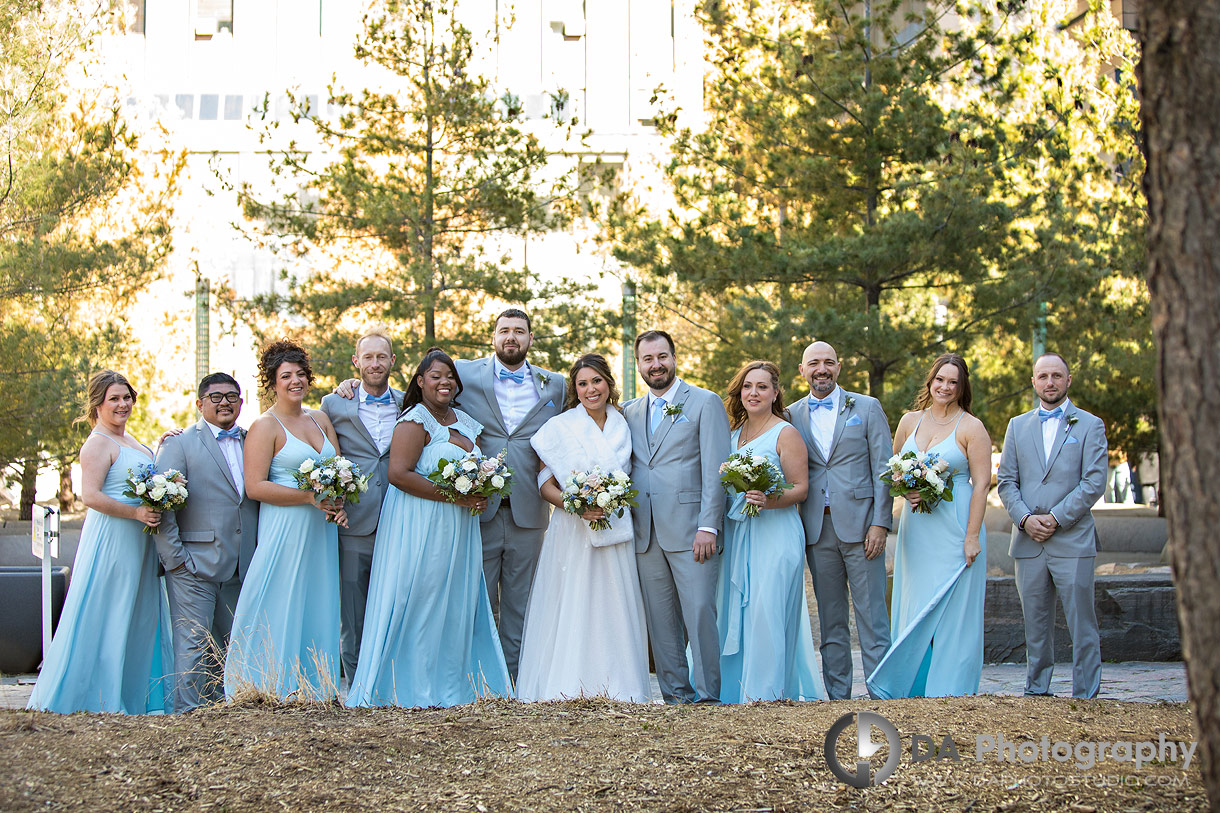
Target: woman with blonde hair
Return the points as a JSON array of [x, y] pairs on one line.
[[111, 650]]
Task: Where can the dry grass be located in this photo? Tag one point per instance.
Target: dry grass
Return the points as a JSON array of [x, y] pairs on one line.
[[577, 755]]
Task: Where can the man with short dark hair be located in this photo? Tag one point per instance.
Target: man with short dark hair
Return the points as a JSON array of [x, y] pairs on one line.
[[206, 545]]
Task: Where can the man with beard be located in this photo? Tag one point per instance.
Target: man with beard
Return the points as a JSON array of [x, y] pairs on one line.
[[364, 424], [679, 438], [1052, 470], [512, 399], [847, 515], [206, 545]]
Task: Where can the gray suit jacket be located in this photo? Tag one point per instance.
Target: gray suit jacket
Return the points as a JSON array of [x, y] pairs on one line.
[[861, 445], [678, 474], [1068, 486], [357, 445], [215, 532], [478, 400]]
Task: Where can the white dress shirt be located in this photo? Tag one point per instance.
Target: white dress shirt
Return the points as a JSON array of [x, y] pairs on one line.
[[822, 423], [232, 450], [1050, 428], [515, 399], [378, 418], [669, 396]]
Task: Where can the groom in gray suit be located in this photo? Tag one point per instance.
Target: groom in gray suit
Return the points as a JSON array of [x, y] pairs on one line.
[[847, 515], [1052, 471], [512, 399], [364, 425], [206, 545], [679, 438]]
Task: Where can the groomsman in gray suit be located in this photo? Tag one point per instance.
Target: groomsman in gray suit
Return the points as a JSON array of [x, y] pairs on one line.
[[206, 545], [364, 424], [1052, 471], [512, 399], [679, 438], [847, 515]]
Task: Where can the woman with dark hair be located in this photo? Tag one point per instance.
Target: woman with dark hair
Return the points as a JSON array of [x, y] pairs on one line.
[[584, 627], [936, 612], [285, 638], [429, 635], [111, 650], [766, 643]]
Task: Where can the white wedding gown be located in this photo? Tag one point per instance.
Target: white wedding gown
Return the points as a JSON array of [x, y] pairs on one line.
[[584, 628]]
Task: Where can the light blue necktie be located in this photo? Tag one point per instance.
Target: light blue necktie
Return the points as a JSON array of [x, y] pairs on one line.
[[828, 402], [384, 398], [658, 415], [234, 433], [1045, 415], [518, 376]]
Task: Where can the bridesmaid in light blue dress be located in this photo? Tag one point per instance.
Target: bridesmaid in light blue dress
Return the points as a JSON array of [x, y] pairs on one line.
[[111, 650], [939, 580], [766, 643], [285, 638], [429, 635]]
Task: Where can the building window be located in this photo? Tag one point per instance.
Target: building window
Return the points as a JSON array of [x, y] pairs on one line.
[[185, 102], [212, 17], [209, 106], [233, 107]]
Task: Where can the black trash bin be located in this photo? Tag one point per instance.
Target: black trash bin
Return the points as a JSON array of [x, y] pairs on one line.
[[21, 615]]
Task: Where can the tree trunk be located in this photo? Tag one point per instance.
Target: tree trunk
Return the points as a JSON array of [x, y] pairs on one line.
[[29, 475], [67, 497], [1180, 89]]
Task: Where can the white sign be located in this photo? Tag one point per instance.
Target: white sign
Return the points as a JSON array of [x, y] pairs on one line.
[[41, 519]]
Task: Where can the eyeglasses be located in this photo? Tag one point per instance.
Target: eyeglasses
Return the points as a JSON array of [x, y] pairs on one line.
[[221, 397]]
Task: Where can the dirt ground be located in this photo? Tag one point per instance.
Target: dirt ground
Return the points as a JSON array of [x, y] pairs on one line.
[[583, 755]]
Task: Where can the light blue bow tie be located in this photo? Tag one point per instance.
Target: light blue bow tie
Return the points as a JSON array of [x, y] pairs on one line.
[[229, 433], [828, 402], [518, 376], [384, 398], [1045, 415]]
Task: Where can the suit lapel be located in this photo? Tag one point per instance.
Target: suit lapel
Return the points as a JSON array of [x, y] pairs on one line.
[[667, 422], [1034, 439], [800, 419], [1061, 437], [538, 404], [638, 426], [488, 376], [352, 411], [840, 421], [209, 442]]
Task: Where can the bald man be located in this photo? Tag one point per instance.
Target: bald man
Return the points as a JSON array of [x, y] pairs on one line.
[[847, 515]]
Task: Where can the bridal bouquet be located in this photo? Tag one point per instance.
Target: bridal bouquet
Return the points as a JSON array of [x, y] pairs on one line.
[[332, 478], [611, 492], [925, 472], [164, 491], [747, 472], [473, 474]]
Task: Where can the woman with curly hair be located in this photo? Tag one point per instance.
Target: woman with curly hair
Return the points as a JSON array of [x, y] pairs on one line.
[[285, 638]]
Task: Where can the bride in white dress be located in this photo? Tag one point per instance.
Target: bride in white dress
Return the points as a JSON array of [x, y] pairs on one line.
[[584, 628]]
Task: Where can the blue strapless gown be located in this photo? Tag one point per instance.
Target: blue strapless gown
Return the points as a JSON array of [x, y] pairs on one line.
[[766, 643], [937, 607], [111, 651], [285, 638], [429, 635]]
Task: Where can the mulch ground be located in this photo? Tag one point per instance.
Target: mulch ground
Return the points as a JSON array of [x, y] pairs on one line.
[[583, 755]]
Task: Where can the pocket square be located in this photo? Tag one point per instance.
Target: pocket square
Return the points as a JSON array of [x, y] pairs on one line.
[[681, 419], [550, 403], [1070, 440], [854, 420]]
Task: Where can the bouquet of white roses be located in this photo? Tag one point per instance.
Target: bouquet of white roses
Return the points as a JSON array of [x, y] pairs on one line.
[[332, 478], [164, 491], [611, 492], [473, 474], [747, 472], [925, 472]]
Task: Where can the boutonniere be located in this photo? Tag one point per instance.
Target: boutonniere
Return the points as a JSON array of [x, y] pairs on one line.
[[848, 403], [543, 379], [673, 410], [1070, 421]]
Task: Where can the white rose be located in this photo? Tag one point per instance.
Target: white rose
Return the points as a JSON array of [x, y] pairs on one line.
[[469, 465], [580, 478], [306, 466], [448, 471], [141, 488], [344, 463], [621, 475], [603, 499], [463, 484], [497, 482], [157, 493], [907, 465], [316, 475], [934, 481]]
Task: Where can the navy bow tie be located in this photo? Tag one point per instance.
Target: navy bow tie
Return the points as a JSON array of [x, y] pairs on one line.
[[229, 433], [518, 376], [828, 402], [1045, 415], [384, 398]]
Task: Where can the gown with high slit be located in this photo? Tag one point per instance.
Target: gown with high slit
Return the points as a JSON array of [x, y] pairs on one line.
[[111, 650], [937, 608], [285, 638]]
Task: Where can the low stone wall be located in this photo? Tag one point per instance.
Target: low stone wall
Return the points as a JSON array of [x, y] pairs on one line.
[[1136, 615]]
